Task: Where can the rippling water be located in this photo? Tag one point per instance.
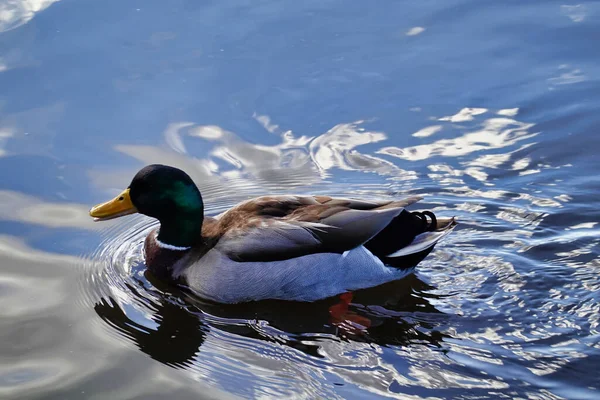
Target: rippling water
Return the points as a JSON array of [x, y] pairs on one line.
[[488, 109]]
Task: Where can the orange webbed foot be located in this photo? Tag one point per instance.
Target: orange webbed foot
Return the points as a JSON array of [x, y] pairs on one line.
[[343, 317]]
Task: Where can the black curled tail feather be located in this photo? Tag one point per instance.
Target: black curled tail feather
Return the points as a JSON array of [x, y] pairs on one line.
[[400, 232]]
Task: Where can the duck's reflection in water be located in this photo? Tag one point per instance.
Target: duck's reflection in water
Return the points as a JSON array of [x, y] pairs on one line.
[[396, 313], [176, 339]]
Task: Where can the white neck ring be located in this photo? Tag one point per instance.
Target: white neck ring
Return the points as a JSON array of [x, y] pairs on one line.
[[169, 246]]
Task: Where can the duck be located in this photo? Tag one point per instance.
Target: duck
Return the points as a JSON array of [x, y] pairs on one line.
[[283, 247]]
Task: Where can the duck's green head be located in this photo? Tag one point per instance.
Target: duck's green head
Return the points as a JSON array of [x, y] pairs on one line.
[[165, 193]]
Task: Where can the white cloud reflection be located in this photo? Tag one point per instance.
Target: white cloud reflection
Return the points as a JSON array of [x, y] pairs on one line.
[[428, 131], [14, 13], [466, 114], [5, 134], [576, 13], [265, 122], [415, 31], [336, 148], [568, 76], [20, 207], [234, 166], [494, 133], [508, 112], [231, 168]]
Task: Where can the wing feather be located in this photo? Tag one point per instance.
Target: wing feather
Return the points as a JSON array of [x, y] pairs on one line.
[[282, 227]]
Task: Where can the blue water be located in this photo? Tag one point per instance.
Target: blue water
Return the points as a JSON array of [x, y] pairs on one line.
[[488, 109]]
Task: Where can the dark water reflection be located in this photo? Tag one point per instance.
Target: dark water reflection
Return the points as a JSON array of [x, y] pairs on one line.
[[180, 327], [489, 110]]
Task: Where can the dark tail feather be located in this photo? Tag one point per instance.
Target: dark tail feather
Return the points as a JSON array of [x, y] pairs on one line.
[[409, 238], [398, 234]]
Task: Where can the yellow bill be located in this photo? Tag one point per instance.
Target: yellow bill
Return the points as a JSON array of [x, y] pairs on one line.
[[117, 207]]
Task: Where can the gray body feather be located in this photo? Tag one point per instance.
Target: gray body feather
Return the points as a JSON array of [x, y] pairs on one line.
[[306, 278]]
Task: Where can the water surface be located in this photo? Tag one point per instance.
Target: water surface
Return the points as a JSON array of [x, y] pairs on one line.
[[488, 109]]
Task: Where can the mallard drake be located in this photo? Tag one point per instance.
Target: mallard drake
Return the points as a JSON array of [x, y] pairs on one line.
[[301, 248]]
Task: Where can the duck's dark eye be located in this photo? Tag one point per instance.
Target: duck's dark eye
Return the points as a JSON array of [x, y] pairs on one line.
[[121, 198]]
